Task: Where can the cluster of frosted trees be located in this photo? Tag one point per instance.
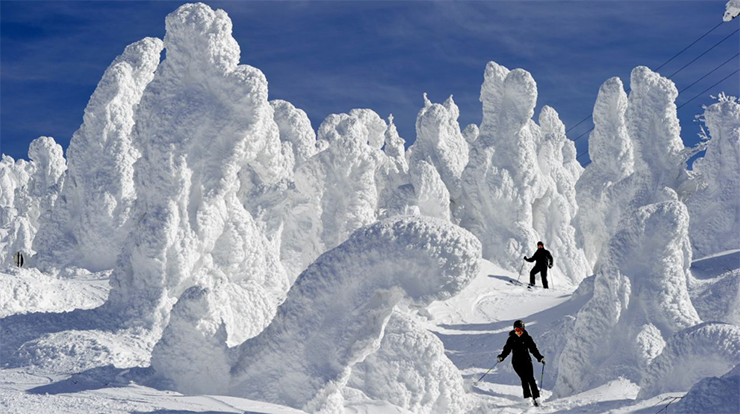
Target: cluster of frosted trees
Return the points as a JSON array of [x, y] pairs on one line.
[[241, 240]]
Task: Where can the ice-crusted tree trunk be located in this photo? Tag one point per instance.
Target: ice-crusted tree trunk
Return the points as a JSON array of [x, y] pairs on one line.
[[640, 296], [437, 158], [336, 313], [203, 123], [715, 214], [598, 192], [90, 222], [509, 201]]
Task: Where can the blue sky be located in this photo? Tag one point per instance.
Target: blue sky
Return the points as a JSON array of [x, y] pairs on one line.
[[330, 57]]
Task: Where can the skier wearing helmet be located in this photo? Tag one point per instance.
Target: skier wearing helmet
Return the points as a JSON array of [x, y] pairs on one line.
[[520, 344]]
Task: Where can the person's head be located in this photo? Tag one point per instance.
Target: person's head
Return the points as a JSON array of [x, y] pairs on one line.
[[540, 245], [519, 327]]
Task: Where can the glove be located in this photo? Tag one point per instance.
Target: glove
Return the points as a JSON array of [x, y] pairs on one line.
[[542, 360], [525, 257], [499, 358], [549, 266]]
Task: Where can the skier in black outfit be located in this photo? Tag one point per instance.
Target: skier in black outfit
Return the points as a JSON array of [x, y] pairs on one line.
[[543, 260], [520, 344]]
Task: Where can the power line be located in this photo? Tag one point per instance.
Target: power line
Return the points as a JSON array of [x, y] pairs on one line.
[[692, 44], [706, 90], [707, 51], [710, 72], [664, 63], [582, 121]]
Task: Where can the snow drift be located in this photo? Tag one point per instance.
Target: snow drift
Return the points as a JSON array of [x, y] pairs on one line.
[[713, 395]]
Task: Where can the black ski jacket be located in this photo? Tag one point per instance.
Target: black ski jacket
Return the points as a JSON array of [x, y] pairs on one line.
[[543, 258], [520, 347]]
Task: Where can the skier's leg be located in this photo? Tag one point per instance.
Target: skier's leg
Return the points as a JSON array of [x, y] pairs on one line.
[[543, 272], [523, 377], [531, 275], [533, 385]]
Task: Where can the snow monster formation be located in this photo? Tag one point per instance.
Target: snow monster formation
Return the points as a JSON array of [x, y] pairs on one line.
[[28, 192], [411, 371], [92, 219], [437, 158], [598, 190], [640, 295], [506, 192], [715, 217], [335, 315], [203, 124]]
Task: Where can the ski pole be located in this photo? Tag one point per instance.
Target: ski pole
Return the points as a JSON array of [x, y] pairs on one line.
[[520, 273], [489, 370], [542, 376]]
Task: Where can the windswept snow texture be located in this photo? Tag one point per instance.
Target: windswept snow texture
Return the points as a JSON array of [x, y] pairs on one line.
[[202, 122], [411, 371], [517, 188], [715, 215], [640, 292], [713, 395], [335, 314], [704, 350], [92, 219]]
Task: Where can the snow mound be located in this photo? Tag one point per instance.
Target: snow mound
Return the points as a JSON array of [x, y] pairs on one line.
[[335, 314], [205, 130], [701, 351], [713, 395], [392, 178], [410, 370], [715, 218], [517, 188], [92, 219]]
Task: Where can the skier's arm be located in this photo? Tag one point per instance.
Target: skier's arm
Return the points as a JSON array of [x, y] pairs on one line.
[[550, 260], [533, 349], [507, 349], [531, 259]]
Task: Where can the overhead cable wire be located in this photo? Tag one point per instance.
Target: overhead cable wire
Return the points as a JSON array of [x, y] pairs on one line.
[[707, 51], [710, 72], [664, 63], [706, 90], [692, 44]]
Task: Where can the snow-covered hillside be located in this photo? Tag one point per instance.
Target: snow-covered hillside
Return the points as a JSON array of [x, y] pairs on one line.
[[204, 249]]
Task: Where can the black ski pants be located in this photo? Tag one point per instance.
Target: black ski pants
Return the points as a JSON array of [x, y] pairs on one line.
[[526, 374], [543, 270]]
